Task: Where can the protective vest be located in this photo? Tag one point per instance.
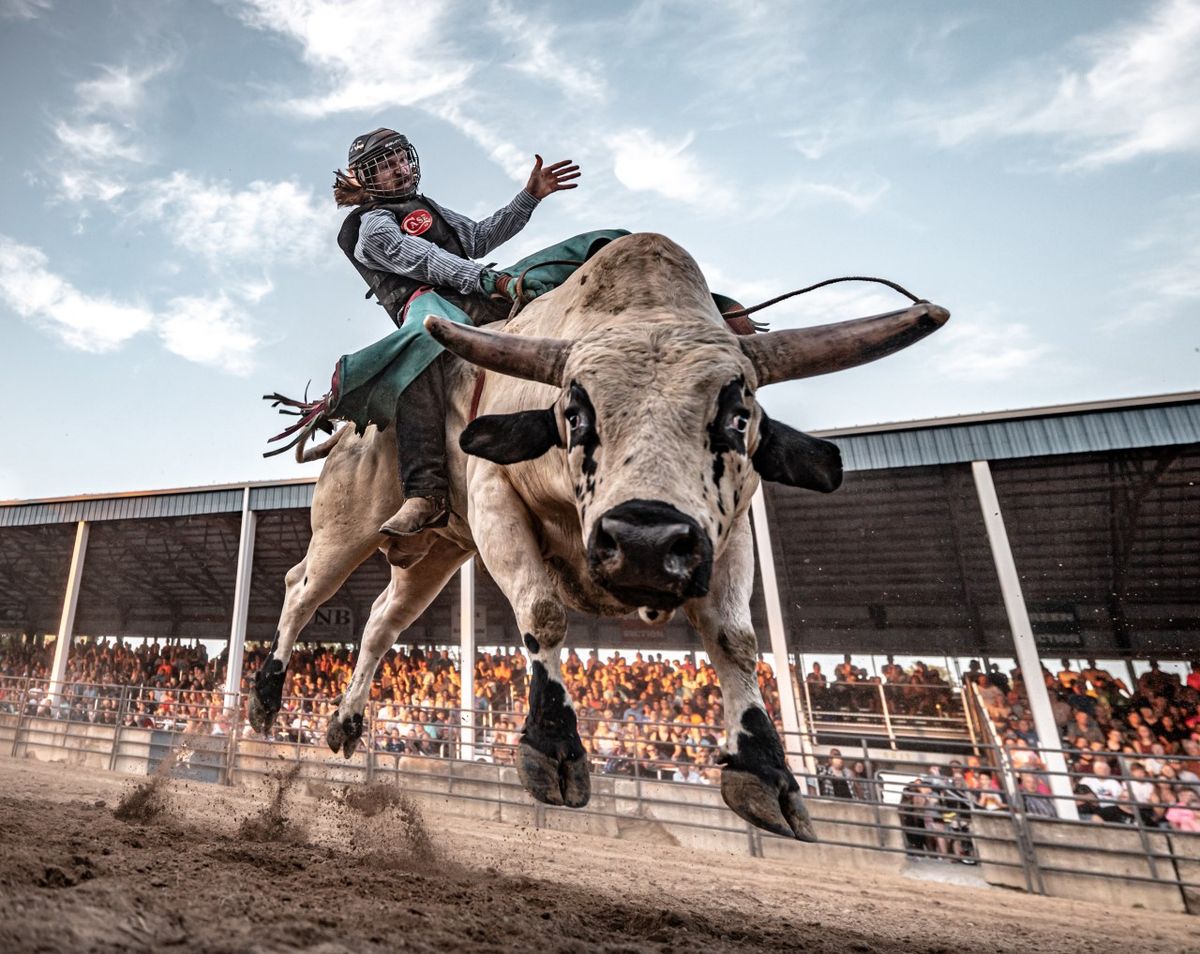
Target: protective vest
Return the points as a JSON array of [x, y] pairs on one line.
[[416, 216]]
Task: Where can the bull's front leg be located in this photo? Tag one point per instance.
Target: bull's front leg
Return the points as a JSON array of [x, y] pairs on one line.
[[550, 758], [756, 781]]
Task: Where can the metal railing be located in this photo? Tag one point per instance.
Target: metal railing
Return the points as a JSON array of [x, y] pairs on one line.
[[902, 713], [977, 803]]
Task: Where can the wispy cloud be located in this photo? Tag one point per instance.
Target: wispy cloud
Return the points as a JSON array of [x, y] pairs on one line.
[[99, 132], [644, 163], [1165, 268], [87, 322], [986, 349], [1125, 92], [95, 143], [859, 193], [23, 9], [355, 47], [209, 331], [540, 53], [263, 224]]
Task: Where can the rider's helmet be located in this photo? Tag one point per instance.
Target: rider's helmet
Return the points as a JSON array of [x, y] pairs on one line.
[[385, 163]]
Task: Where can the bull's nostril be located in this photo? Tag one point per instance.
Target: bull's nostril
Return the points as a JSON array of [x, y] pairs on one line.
[[605, 545], [683, 547]]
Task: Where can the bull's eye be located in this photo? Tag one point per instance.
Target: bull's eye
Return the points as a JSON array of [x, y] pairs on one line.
[[577, 419]]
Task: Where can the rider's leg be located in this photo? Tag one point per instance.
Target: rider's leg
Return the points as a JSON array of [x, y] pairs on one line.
[[421, 442]]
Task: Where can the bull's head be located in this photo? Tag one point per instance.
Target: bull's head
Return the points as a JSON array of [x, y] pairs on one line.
[[665, 442]]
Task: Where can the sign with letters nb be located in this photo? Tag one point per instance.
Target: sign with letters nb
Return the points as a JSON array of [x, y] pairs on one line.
[[331, 623]]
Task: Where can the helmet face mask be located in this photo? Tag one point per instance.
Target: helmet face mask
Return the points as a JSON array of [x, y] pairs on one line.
[[386, 164]]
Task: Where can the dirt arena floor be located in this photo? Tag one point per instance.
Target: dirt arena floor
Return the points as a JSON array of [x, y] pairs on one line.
[[91, 861]]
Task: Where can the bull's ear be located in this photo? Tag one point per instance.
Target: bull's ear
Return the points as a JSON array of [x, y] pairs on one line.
[[788, 456], [511, 438]]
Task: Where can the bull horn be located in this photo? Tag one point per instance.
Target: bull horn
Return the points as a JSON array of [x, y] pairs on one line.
[[805, 352], [522, 356]]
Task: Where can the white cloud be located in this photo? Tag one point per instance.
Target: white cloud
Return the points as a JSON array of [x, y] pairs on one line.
[[77, 184], [370, 54], [983, 350], [264, 223], [540, 53], [99, 134], [95, 142], [644, 163], [23, 9], [1165, 268], [118, 90], [1131, 91], [209, 331], [87, 322], [860, 194]]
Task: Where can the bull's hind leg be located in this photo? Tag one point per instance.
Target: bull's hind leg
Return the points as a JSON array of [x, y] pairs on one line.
[[406, 598], [755, 781], [550, 758], [312, 581]]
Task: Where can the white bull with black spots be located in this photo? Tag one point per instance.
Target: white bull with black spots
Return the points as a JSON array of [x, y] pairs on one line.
[[611, 470]]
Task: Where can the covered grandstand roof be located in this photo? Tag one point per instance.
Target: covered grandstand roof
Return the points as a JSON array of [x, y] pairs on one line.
[[1159, 420], [1100, 502]]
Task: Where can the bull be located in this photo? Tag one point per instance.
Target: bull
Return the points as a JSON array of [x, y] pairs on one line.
[[610, 470]]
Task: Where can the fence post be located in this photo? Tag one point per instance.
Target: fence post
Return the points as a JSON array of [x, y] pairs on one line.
[[235, 732], [122, 709], [887, 716], [1020, 822], [21, 707], [1143, 838], [372, 711]]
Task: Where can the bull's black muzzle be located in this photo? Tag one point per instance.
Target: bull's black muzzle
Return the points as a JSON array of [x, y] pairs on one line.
[[648, 553]]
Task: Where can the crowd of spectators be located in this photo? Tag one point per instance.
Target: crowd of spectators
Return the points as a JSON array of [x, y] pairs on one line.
[[921, 690], [643, 715], [1133, 752]]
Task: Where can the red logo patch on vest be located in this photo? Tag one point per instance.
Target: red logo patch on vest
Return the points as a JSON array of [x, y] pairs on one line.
[[417, 222]]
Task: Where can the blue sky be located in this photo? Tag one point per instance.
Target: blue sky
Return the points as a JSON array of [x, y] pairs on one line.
[[167, 229]]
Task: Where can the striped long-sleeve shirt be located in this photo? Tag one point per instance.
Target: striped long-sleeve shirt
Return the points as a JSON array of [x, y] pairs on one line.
[[382, 245]]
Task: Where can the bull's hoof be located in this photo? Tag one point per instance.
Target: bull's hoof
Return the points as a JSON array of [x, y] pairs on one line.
[[554, 780], [771, 804], [343, 734], [267, 698]]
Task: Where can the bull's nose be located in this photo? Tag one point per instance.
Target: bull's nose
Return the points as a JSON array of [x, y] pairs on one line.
[[649, 553], [671, 548]]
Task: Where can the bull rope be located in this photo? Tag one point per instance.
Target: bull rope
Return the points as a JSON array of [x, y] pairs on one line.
[[743, 312]]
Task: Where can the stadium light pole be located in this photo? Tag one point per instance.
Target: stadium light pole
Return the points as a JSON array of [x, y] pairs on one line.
[[66, 626], [466, 659], [241, 602], [1026, 647], [795, 725]]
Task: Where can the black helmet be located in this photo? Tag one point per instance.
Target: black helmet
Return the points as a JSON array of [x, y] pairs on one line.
[[370, 161]]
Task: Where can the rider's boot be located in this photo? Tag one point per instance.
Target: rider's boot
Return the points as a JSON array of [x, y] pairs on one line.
[[421, 444]]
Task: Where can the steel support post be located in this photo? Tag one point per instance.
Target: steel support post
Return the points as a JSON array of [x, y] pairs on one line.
[[795, 724], [466, 659], [66, 626], [241, 605], [1028, 659]]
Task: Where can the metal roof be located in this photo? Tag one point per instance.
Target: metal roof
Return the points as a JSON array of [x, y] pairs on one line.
[[1039, 432], [1155, 421]]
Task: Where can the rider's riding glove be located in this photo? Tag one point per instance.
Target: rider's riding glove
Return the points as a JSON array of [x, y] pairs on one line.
[[497, 284]]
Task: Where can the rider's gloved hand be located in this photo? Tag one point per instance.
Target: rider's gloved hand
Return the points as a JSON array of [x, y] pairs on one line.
[[502, 284], [497, 284]]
